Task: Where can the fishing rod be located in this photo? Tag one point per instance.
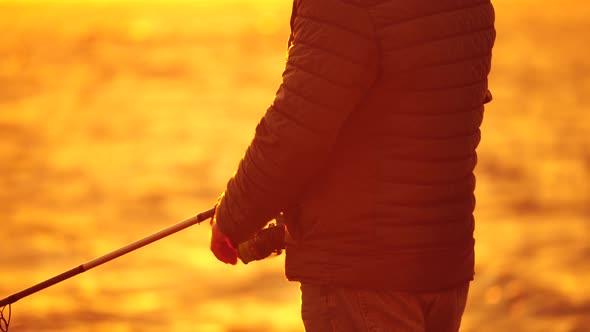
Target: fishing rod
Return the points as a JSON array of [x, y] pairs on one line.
[[5, 304], [266, 242], [109, 257]]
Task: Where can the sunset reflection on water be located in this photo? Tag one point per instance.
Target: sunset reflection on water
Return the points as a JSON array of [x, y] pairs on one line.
[[120, 118]]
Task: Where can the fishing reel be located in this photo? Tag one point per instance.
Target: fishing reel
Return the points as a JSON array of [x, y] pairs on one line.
[[269, 241]]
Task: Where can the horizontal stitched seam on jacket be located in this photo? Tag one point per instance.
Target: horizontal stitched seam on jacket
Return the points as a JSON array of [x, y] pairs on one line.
[[347, 59], [450, 87], [476, 108], [436, 184], [296, 121], [380, 221], [291, 90], [340, 27], [415, 159], [469, 178], [426, 15], [433, 203], [425, 138], [399, 248], [356, 4], [339, 84], [442, 63], [383, 179], [434, 40]]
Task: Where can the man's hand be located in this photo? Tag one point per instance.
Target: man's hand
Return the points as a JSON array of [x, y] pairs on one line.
[[221, 246]]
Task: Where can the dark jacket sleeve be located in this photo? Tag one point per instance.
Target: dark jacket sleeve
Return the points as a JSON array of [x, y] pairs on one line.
[[331, 64]]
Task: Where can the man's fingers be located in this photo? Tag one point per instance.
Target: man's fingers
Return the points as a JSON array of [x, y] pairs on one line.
[[225, 255], [221, 246], [224, 252]]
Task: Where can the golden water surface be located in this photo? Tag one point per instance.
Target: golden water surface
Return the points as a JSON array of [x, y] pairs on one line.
[[119, 118]]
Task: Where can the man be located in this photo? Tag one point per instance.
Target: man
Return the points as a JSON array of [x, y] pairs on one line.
[[369, 150]]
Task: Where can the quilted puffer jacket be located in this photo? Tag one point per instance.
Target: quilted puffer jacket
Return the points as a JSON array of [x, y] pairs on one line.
[[369, 145]]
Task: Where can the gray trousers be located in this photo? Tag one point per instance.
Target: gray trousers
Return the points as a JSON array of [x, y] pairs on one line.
[[337, 309]]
